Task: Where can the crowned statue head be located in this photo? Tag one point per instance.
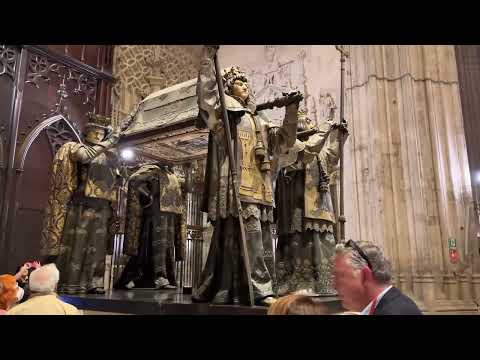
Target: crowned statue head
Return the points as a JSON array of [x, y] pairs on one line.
[[305, 123], [97, 128], [236, 84]]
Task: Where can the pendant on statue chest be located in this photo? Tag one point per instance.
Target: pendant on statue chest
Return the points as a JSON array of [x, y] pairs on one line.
[[101, 179]]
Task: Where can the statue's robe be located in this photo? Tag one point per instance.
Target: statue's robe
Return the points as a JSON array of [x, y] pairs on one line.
[[155, 233], [79, 214]]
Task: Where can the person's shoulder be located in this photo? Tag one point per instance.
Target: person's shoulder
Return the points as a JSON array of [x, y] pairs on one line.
[[69, 308], [397, 303], [17, 309]]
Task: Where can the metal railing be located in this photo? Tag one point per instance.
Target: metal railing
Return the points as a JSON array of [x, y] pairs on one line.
[[188, 271]]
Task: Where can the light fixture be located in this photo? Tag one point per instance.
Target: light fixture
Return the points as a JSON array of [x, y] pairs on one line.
[[127, 154]]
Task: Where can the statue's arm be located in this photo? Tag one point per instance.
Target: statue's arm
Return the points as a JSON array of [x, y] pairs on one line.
[[86, 153]]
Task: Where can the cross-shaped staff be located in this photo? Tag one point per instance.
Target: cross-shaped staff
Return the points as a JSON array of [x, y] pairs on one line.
[[341, 217]]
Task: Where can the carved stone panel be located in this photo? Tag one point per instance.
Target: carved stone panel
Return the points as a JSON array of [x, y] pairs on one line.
[[54, 89], [58, 134], [40, 68], [144, 69], [8, 61]]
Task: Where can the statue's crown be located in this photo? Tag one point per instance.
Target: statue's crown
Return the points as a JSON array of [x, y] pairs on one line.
[[98, 120], [232, 73], [302, 113]]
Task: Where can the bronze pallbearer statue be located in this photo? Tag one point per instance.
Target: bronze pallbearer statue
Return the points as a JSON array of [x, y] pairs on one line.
[[255, 149], [155, 234], [304, 210], [80, 214]]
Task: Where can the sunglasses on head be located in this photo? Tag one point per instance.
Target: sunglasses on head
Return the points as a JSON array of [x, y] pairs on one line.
[[353, 245]]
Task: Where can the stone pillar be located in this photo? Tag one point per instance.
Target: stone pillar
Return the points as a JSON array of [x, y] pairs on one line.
[[428, 289], [403, 283], [466, 287], [476, 286], [417, 286], [451, 287], [408, 182], [157, 83], [394, 281]]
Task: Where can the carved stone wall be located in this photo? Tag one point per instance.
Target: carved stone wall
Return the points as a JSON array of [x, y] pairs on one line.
[[407, 181], [143, 69]]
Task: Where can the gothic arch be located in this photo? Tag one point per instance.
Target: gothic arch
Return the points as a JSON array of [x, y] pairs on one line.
[[23, 151]]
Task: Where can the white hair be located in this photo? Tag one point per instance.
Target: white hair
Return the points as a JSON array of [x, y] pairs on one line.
[[44, 279], [381, 267]]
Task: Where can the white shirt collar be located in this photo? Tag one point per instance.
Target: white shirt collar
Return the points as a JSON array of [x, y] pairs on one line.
[[379, 297]]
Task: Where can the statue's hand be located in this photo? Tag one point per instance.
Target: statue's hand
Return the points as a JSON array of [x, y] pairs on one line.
[[343, 126], [294, 95], [112, 139]]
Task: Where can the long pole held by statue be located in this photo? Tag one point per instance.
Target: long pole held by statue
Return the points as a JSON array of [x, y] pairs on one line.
[[233, 170], [341, 216]]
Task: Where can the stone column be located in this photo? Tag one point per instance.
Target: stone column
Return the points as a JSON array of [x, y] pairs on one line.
[[408, 181], [476, 286], [451, 287], [466, 287], [157, 83]]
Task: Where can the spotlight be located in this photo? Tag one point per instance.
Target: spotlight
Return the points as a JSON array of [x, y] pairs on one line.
[[127, 154]]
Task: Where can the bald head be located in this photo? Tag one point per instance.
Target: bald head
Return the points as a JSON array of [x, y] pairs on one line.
[[44, 279]]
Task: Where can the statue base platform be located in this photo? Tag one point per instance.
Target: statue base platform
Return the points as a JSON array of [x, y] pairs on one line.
[[166, 302]]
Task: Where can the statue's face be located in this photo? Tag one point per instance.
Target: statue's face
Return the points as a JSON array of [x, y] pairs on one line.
[[95, 135], [240, 89], [305, 123]]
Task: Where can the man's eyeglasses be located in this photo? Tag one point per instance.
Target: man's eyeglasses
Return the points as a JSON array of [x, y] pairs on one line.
[[353, 245]]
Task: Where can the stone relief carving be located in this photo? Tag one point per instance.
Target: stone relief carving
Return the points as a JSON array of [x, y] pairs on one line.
[[276, 77], [327, 107], [58, 134], [281, 70], [8, 61], [142, 159], [41, 68]]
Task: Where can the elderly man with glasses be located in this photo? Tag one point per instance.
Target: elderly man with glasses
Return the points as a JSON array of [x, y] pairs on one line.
[[362, 279]]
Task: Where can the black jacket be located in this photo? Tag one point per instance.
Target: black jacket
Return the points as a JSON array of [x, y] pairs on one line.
[[394, 302]]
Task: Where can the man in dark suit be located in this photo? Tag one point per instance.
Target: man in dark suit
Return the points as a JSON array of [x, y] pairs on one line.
[[362, 279]]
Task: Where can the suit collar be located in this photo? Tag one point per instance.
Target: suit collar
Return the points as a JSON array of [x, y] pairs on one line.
[[391, 294]]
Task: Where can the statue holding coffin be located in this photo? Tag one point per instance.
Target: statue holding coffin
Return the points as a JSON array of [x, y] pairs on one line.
[[79, 221], [155, 233], [304, 210]]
